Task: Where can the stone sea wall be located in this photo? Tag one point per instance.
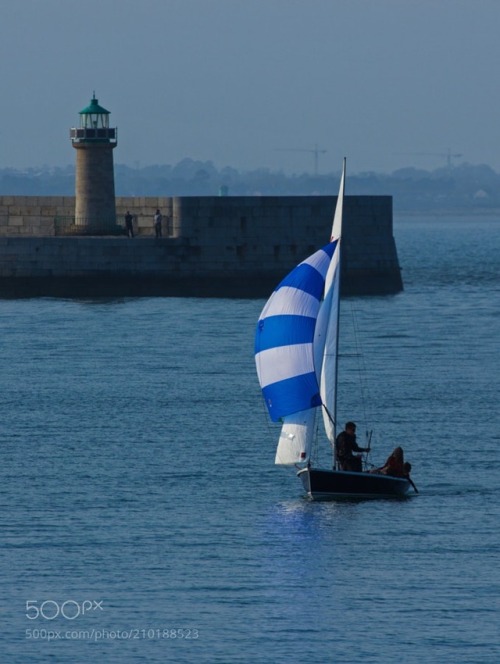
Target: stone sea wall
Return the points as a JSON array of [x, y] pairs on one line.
[[211, 246]]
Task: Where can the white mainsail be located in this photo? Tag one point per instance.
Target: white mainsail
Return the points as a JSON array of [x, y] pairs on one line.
[[330, 311], [327, 333]]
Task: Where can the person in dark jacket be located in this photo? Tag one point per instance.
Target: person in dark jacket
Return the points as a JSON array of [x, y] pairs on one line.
[[129, 225], [345, 446], [157, 223]]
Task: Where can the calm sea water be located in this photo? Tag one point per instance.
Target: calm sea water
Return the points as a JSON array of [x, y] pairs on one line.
[[143, 519]]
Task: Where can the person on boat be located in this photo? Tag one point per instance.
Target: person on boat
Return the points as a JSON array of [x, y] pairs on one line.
[[395, 465], [345, 445]]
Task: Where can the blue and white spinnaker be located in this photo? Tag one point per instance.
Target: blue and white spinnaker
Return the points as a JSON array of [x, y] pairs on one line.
[[295, 347]]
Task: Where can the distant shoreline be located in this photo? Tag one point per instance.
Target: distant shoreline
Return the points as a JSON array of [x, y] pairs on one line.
[[475, 213]]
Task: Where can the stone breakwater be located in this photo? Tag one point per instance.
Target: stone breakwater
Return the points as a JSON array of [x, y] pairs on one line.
[[211, 246]]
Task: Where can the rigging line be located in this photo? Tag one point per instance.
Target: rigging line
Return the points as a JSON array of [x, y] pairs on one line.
[[315, 444], [332, 442], [329, 415], [361, 366]]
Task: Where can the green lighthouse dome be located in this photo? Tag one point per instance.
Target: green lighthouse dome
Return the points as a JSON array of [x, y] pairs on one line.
[[94, 116]]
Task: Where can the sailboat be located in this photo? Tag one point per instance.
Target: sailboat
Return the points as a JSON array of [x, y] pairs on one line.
[[296, 355]]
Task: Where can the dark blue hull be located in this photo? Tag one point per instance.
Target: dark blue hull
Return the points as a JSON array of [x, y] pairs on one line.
[[333, 484]]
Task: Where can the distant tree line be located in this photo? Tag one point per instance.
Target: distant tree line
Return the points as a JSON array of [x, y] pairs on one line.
[[461, 188]]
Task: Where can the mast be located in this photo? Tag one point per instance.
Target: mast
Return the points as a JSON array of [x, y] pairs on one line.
[[337, 234]]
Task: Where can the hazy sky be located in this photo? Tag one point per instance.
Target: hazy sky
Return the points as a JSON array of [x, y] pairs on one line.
[[252, 83]]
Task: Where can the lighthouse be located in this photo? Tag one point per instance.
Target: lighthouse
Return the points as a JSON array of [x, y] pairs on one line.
[[94, 141]]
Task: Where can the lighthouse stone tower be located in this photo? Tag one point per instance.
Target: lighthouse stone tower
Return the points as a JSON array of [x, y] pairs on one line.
[[94, 141]]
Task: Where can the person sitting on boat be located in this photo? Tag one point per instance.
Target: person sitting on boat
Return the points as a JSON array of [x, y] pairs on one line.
[[345, 445], [395, 465]]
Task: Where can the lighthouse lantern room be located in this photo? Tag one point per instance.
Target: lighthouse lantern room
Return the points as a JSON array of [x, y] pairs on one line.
[[94, 124]]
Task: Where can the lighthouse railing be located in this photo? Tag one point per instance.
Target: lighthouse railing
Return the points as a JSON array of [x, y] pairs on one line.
[[78, 134]]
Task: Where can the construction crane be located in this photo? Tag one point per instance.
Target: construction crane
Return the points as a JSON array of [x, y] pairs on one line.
[[449, 156], [315, 151]]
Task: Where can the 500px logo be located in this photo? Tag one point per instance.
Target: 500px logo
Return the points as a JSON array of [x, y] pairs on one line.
[[49, 609]]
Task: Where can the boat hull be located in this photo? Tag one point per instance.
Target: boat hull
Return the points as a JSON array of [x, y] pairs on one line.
[[335, 484]]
